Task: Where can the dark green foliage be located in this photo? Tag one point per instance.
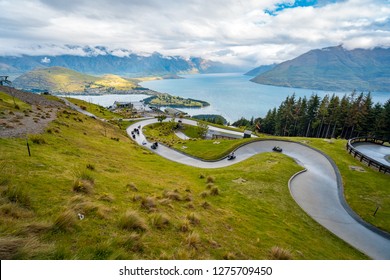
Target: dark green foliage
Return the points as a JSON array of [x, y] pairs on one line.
[[217, 119], [330, 117]]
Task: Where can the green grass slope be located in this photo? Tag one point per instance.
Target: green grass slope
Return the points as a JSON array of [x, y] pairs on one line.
[[137, 205], [60, 80]]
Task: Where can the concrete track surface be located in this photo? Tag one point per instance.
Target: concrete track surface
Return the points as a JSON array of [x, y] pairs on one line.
[[317, 190], [375, 151]]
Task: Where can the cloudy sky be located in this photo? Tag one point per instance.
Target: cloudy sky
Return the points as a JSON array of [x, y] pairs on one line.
[[245, 32]]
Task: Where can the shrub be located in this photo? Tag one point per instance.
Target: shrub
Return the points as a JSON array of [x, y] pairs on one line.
[[131, 220], [66, 221], [277, 253]]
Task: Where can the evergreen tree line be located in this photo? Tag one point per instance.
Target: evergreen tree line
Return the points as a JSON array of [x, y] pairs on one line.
[[352, 115]]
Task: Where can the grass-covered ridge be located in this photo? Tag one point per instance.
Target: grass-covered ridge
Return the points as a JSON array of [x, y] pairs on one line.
[[61, 80], [137, 205]]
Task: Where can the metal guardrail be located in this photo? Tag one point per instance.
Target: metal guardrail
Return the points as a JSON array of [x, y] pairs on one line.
[[362, 157]]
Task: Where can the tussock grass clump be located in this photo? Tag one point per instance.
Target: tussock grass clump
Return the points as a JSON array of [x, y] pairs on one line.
[[37, 139], [209, 186], [132, 187], [107, 197], [159, 220], [136, 198], [17, 195], [83, 186], [12, 210], [148, 203], [66, 221], [184, 226], [172, 195], [229, 256], [9, 247], [193, 218], [206, 205], [193, 240], [84, 183], [214, 191], [278, 253], [204, 194], [36, 228], [131, 220], [132, 242], [210, 179]]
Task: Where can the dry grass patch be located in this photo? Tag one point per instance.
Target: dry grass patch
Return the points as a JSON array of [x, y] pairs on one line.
[[66, 221], [131, 220], [160, 220], [184, 226], [193, 218], [193, 240], [210, 179], [132, 242], [17, 195], [132, 187], [83, 186], [278, 253], [148, 203], [173, 195], [9, 247], [12, 210], [214, 191]]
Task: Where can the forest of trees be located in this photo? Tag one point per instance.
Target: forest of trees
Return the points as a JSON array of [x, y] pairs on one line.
[[330, 117]]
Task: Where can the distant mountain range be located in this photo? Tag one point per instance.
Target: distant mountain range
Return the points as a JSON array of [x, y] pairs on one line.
[[333, 68], [106, 62], [259, 70]]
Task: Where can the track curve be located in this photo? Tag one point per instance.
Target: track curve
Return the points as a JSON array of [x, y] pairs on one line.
[[318, 190]]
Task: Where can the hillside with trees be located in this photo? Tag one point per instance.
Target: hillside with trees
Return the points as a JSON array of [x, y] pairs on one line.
[[330, 117]]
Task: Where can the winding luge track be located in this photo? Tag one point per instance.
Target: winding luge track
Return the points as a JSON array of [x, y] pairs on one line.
[[317, 190]]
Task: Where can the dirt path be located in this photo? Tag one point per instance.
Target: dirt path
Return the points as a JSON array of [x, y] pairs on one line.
[[17, 123]]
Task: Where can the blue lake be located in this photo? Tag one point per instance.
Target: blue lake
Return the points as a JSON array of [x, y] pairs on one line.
[[233, 96]]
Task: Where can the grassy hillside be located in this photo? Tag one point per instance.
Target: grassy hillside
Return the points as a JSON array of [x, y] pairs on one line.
[[59, 79], [364, 191], [137, 205]]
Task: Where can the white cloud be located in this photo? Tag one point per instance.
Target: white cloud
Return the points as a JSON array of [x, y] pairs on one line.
[[226, 30]]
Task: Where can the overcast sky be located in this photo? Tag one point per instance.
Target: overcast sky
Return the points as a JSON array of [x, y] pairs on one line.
[[245, 32]]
